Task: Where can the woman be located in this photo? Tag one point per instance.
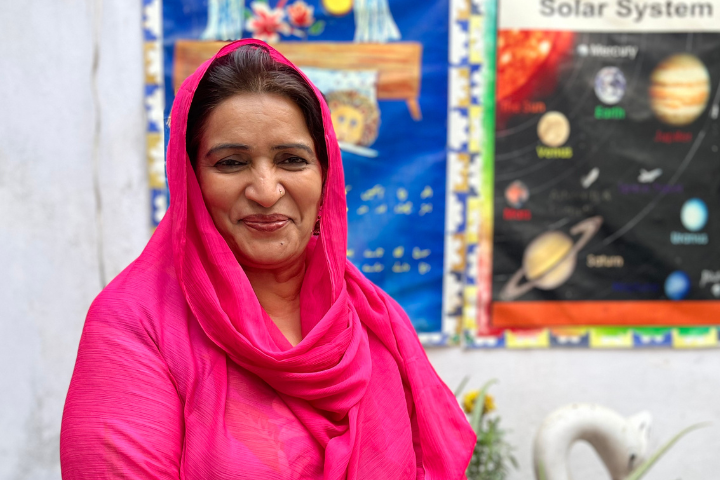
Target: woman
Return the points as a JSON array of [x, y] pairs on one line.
[[242, 343]]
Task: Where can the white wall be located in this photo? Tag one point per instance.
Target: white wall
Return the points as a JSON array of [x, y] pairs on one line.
[[65, 131], [679, 388]]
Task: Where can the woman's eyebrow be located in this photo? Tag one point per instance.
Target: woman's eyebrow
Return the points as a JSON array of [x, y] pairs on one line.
[[227, 146], [287, 146]]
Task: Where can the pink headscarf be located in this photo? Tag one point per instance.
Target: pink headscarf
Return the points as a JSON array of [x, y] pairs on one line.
[[325, 379]]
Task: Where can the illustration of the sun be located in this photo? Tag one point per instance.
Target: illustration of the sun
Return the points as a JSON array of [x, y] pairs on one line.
[[338, 7], [521, 54]]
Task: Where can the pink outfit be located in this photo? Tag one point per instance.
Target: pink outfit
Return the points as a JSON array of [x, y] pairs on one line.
[[181, 373]]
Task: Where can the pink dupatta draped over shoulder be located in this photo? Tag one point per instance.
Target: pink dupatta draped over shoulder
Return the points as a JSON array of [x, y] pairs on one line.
[[179, 337]]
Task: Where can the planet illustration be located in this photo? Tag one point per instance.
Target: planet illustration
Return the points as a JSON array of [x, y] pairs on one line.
[[679, 89], [715, 289], [550, 259], [553, 129], [677, 285], [694, 214], [610, 85], [517, 194]]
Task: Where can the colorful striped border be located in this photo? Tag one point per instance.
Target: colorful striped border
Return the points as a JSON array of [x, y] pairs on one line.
[[598, 338], [154, 108], [464, 134]]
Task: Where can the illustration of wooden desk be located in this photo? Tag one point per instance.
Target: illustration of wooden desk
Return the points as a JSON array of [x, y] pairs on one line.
[[398, 64]]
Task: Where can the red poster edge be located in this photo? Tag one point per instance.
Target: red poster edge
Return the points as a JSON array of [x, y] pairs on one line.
[[606, 313]]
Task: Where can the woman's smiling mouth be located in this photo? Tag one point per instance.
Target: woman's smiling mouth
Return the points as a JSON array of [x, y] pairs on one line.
[[266, 223]]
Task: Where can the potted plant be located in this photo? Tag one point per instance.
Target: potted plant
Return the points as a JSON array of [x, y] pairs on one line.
[[493, 455]]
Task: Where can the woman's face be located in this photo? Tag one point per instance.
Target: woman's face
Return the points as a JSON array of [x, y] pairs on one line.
[[260, 178]]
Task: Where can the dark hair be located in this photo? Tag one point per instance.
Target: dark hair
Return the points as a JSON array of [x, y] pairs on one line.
[[251, 69]]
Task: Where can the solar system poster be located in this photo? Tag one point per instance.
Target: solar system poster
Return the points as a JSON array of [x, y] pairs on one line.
[[605, 181], [383, 67]]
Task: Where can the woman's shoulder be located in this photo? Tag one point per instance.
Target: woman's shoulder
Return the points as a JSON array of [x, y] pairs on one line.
[[145, 292], [143, 315]]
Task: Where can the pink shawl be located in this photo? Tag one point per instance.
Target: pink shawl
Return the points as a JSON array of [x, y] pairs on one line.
[[358, 361]]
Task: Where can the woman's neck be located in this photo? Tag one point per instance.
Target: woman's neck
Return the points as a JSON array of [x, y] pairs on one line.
[[278, 291]]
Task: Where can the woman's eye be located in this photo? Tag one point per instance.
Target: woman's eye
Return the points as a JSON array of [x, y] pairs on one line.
[[294, 161], [229, 163]]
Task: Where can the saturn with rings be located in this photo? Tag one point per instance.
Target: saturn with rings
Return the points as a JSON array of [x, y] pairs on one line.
[[550, 259]]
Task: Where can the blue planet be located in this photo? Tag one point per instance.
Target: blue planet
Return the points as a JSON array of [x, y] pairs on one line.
[[677, 285], [610, 85], [694, 214]]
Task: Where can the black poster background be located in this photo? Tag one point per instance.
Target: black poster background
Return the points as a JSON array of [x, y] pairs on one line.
[[638, 218]]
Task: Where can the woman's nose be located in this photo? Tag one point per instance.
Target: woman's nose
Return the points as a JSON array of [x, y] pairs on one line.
[[264, 189]]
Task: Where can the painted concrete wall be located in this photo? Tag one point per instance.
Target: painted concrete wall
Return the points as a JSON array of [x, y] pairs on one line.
[[68, 129], [678, 388], [73, 213]]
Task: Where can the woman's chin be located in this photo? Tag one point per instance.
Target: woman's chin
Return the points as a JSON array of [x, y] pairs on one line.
[[270, 253]]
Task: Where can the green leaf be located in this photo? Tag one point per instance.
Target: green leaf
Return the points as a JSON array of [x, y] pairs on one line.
[[461, 387], [643, 468], [476, 417], [317, 28], [541, 471], [477, 413]]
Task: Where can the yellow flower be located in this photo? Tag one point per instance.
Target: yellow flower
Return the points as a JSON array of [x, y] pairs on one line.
[[470, 399], [489, 405]]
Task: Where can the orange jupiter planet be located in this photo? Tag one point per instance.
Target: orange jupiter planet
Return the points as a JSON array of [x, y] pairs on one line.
[[679, 89]]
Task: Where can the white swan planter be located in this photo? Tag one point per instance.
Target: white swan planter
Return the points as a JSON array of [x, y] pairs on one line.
[[621, 443]]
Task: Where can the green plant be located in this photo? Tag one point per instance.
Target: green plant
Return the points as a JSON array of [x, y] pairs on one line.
[[493, 455], [643, 468]]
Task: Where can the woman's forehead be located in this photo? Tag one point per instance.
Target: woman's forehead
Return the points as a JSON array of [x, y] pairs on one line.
[[257, 118]]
